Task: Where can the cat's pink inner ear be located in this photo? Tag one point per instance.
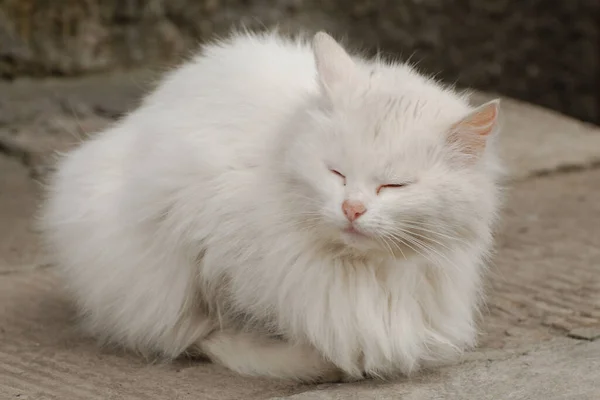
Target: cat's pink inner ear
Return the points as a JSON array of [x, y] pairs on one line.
[[471, 132], [334, 65]]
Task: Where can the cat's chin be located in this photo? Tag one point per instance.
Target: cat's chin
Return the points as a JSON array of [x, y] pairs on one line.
[[365, 243], [356, 239]]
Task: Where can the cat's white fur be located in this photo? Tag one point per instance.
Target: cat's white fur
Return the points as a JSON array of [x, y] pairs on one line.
[[208, 220]]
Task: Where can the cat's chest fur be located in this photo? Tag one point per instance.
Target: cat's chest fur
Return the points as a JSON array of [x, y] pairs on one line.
[[360, 312]]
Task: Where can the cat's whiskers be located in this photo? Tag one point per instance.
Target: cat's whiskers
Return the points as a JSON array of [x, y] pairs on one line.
[[415, 238], [423, 226], [396, 245], [395, 238], [437, 227], [300, 225], [303, 197], [425, 238], [383, 240], [445, 261], [426, 251]]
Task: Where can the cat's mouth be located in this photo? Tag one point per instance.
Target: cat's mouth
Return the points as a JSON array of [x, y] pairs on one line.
[[352, 232]]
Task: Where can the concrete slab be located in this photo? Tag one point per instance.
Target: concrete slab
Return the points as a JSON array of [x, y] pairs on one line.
[[545, 279], [558, 370], [536, 140], [19, 245]]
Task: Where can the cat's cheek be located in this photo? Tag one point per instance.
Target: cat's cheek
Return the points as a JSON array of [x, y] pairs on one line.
[[336, 216], [334, 197], [338, 219]]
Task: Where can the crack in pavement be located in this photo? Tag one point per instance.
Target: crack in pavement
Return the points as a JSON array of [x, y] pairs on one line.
[[21, 269], [26, 157], [563, 169], [12, 149]]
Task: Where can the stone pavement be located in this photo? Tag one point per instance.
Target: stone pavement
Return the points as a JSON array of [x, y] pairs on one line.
[[538, 331]]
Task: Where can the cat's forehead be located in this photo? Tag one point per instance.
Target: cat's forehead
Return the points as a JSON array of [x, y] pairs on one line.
[[383, 138], [396, 118], [398, 98], [380, 132], [398, 122]]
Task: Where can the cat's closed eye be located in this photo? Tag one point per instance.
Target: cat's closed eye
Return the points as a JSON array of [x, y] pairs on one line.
[[338, 174], [390, 186]]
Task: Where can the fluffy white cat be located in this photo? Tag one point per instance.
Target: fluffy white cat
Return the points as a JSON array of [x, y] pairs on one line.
[[284, 209]]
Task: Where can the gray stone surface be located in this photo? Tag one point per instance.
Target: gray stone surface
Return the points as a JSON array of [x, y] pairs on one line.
[[18, 200], [557, 370], [588, 333], [538, 332], [541, 51], [536, 141]]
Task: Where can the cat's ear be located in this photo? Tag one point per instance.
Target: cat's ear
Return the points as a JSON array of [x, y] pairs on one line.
[[472, 132], [334, 65]]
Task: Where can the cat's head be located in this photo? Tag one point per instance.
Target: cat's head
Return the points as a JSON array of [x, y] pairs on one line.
[[385, 159]]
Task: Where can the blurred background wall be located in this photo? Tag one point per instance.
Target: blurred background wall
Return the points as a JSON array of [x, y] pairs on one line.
[[542, 51]]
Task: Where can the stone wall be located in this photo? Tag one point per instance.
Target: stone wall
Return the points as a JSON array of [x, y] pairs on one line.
[[543, 51]]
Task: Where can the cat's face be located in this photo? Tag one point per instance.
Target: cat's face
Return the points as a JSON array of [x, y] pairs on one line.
[[397, 173], [373, 181]]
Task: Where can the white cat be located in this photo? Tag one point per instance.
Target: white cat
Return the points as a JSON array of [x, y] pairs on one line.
[[286, 210]]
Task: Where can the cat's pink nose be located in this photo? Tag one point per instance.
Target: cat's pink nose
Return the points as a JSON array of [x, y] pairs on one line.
[[353, 209]]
